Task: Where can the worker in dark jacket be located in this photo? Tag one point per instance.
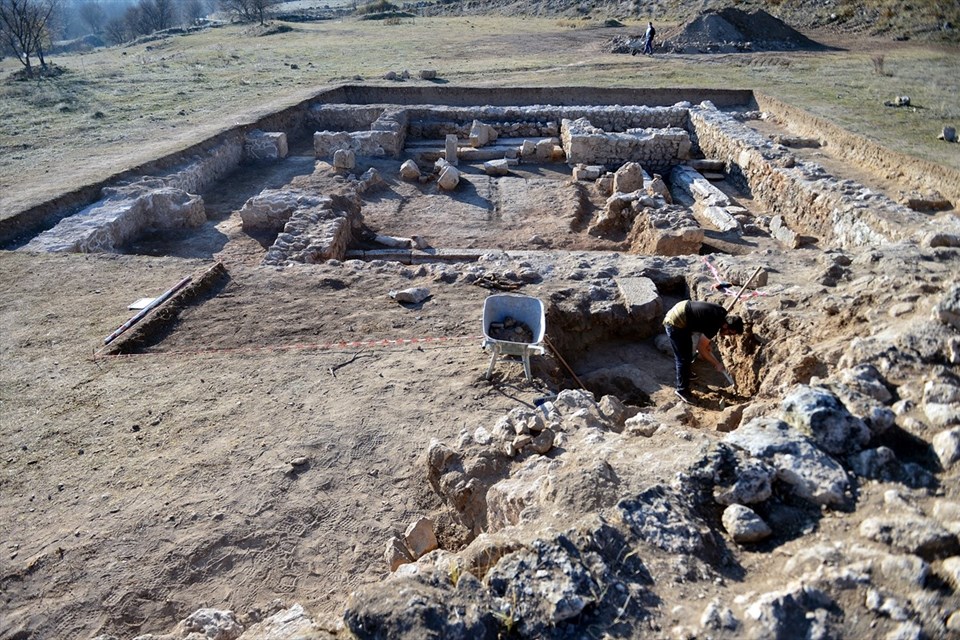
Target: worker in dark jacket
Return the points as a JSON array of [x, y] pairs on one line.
[[707, 319]]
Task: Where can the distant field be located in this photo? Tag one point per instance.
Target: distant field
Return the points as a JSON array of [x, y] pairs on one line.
[[119, 107]]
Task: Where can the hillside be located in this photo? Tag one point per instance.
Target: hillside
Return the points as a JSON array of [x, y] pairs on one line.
[[899, 19]]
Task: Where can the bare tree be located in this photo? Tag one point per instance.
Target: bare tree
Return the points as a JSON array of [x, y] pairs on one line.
[[25, 29], [248, 10], [194, 10], [116, 30], [93, 15], [157, 15]]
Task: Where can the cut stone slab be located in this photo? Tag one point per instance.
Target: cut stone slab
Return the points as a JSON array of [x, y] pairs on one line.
[[642, 300]]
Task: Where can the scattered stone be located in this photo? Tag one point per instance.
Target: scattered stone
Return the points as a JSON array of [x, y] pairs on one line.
[[941, 401], [449, 178], [799, 611], [947, 309], [396, 553], [717, 617], [428, 74], [413, 295], [911, 533], [420, 537], [811, 474], [744, 525], [948, 133], [820, 414], [951, 569], [213, 624], [946, 445], [409, 170], [499, 167], [629, 177]]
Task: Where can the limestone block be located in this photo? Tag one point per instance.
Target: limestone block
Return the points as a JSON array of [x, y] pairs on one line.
[[450, 153], [642, 300], [605, 184], [497, 167], [720, 219], [344, 159], [428, 74], [587, 172], [786, 237], [259, 146], [409, 170], [694, 185], [668, 231], [481, 134], [449, 178], [269, 209], [545, 149], [528, 149], [630, 177], [326, 142]]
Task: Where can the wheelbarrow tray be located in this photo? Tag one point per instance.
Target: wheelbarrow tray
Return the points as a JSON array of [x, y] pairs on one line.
[[525, 309]]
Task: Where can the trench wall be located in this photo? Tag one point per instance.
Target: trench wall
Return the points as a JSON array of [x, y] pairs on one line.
[[857, 149], [809, 200]]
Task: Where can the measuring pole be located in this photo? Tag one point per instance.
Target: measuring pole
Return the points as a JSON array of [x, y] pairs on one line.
[[147, 309]]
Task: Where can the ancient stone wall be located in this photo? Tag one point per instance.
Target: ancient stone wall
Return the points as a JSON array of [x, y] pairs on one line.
[[436, 122], [655, 149], [343, 117], [385, 136], [808, 199]]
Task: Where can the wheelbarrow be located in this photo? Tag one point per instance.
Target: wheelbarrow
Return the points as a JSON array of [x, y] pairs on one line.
[[525, 309]]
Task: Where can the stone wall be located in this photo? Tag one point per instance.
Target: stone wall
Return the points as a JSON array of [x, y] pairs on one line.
[[538, 121], [134, 206], [385, 137], [120, 218], [808, 199], [655, 149]]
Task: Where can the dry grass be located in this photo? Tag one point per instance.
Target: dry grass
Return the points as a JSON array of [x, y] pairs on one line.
[[121, 106]]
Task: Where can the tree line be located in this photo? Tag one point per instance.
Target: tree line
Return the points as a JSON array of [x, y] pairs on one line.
[[29, 28]]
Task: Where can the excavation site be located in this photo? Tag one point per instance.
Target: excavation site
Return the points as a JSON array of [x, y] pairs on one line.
[[392, 363]]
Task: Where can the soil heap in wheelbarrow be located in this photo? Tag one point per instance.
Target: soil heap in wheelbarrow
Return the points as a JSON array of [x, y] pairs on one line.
[[510, 330]]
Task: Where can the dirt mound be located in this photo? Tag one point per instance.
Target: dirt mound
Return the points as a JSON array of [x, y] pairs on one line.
[[730, 30]]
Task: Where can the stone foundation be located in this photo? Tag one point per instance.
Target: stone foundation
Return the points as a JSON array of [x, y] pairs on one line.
[[809, 200]]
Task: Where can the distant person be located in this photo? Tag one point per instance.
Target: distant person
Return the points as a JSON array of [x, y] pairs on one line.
[[648, 39], [707, 319]]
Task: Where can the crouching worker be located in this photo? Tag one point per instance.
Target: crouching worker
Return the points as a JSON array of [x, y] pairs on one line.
[[707, 319]]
